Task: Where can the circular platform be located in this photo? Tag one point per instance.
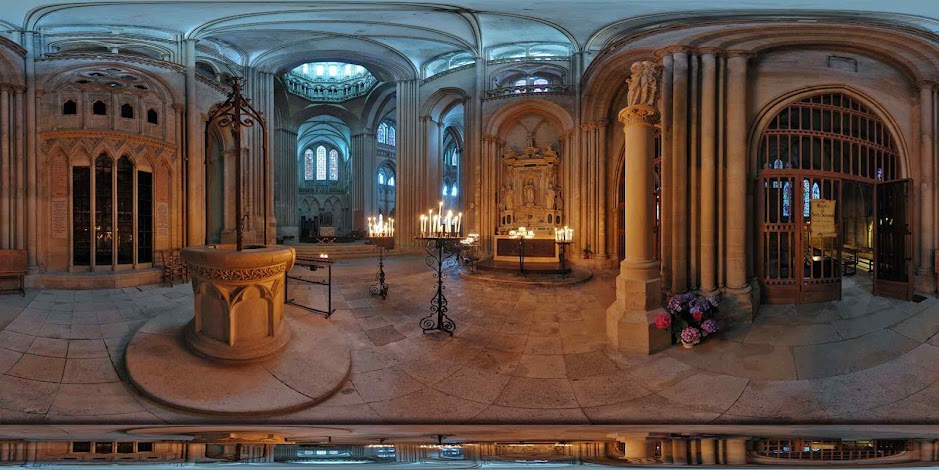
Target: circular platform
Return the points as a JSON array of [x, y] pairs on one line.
[[531, 278], [314, 366]]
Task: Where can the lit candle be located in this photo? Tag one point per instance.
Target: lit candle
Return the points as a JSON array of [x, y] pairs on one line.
[[449, 222], [459, 222], [423, 225]]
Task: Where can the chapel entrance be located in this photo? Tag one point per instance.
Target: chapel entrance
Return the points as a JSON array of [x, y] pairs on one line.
[[831, 202]]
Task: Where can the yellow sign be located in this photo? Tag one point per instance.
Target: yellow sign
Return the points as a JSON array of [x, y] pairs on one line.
[[823, 218]]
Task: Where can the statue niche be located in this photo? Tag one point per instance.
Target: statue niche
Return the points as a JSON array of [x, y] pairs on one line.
[[539, 205]]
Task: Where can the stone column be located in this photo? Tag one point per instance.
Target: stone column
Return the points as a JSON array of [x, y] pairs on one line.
[[269, 453], [286, 167], [195, 166], [679, 189], [194, 452], [739, 292], [32, 158], [708, 194], [20, 191], [680, 451], [412, 190], [927, 279], [6, 184], [667, 451], [708, 452], [637, 449], [665, 228], [31, 451], [927, 450], [630, 320], [736, 451]]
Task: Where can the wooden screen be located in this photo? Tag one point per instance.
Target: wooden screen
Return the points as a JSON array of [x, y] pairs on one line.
[[804, 154]]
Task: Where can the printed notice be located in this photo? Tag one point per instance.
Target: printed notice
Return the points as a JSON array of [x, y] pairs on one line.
[[823, 218]]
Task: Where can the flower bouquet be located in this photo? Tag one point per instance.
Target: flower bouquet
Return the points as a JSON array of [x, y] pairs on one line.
[[689, 318]]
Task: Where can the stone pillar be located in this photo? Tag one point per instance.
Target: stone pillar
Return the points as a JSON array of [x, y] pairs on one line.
[[630, 320], [736, 451], [665, 228], [680, 451], [694, 450], [195, 155], [409, 200], [287, 169], [708, 452], [708, 194], [32, 158], [739, 293], [194, 452], [926, 272], [6, 184], [667, 451], [269, 453], [638, 449], [679, 188], [927, 450], [20, 191], [31, 453]]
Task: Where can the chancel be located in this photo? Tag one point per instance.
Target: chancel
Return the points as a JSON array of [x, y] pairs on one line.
[[474, 212]]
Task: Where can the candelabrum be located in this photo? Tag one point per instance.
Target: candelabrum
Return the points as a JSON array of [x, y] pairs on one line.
[[441, 255], [521, 235], [382, 244], [563, 238], [442, 224]]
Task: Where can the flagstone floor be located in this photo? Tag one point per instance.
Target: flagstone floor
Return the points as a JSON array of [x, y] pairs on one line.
[[519, 355]]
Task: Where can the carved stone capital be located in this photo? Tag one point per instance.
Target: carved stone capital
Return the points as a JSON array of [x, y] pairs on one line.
[[928, 84], [40, 93], [639, 114], [739, 53], [715, 51], [178, 107], [679, 49], [19, 89]]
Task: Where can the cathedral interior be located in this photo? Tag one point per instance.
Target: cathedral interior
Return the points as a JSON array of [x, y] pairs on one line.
[[476, 233]]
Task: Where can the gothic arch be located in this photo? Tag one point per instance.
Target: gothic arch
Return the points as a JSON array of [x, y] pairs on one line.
[[500, 120], [768, 112]]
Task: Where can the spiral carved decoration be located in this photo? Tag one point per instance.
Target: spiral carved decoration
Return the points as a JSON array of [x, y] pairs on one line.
[[441, 256]]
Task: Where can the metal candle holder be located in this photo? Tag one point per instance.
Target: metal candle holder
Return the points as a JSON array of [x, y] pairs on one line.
[[440, 255], [380, 287], [562, 247]]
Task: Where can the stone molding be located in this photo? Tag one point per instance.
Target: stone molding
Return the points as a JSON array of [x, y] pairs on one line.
[[739, 53], [113, 58], [925, 84], [248, 274], [113, 141], [639, 114]]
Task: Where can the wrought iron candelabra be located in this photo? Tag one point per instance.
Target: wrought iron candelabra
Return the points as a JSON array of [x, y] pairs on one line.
[[562, 247], [381, 287], [441, 255]]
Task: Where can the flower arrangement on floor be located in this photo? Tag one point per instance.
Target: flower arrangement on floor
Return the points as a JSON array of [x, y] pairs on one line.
[[689, 318]]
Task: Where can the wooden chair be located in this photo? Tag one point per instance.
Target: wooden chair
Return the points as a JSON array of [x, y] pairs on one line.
[[173, 266]]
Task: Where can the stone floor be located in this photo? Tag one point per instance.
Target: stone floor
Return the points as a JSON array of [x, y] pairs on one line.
[[519, 355]]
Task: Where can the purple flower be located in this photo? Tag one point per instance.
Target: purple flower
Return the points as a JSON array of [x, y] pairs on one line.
[[701, 304], [714, 300], [690, 335], [688, 297], [674, 304], [709, 326]]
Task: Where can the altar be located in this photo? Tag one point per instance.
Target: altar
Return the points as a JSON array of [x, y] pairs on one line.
[[541, 249]]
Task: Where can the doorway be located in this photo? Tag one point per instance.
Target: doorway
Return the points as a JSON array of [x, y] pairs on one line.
[[831, 202]]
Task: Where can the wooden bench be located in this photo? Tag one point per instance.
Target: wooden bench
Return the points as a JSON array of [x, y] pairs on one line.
[[13, 266]]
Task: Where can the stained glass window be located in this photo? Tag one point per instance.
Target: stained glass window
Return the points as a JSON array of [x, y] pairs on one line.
[[382, 132], [333, 165], [444, 192], [786, 199], [391, 181], [381, 177], [805, 198], [321, 163], [453, 191], [391, 135], [308, 165]]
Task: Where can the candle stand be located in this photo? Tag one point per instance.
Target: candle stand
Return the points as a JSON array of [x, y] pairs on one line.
[[562, 247], [441, 254], [521, 257], [382, 244]]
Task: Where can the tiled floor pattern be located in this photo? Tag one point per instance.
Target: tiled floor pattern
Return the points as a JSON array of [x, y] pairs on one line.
[[519, 355]]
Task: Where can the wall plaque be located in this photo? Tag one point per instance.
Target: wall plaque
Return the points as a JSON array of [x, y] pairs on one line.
[[59, 212], [823, 218]]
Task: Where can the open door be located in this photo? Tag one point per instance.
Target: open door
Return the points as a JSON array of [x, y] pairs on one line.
[[893, 240]]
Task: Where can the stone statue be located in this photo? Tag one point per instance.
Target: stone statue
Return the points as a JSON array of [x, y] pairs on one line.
[[531, 139], [509, 198], [643, 83], [529, 192], [558, 201], [550, 195]]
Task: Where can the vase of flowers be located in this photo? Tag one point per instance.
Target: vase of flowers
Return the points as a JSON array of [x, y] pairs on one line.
[[689, 318]]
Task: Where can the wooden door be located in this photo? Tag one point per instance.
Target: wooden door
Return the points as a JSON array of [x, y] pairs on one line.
[[893, 240]]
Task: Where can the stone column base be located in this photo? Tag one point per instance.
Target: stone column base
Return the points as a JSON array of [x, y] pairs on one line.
[[630, 321], [924, 281], [740, 305], [287, 231]]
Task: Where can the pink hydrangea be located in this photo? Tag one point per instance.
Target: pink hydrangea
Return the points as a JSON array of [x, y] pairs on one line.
[[663, 321], [709, 326], [690, 335]]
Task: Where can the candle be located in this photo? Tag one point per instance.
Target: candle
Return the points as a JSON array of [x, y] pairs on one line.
[[459, 222]]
